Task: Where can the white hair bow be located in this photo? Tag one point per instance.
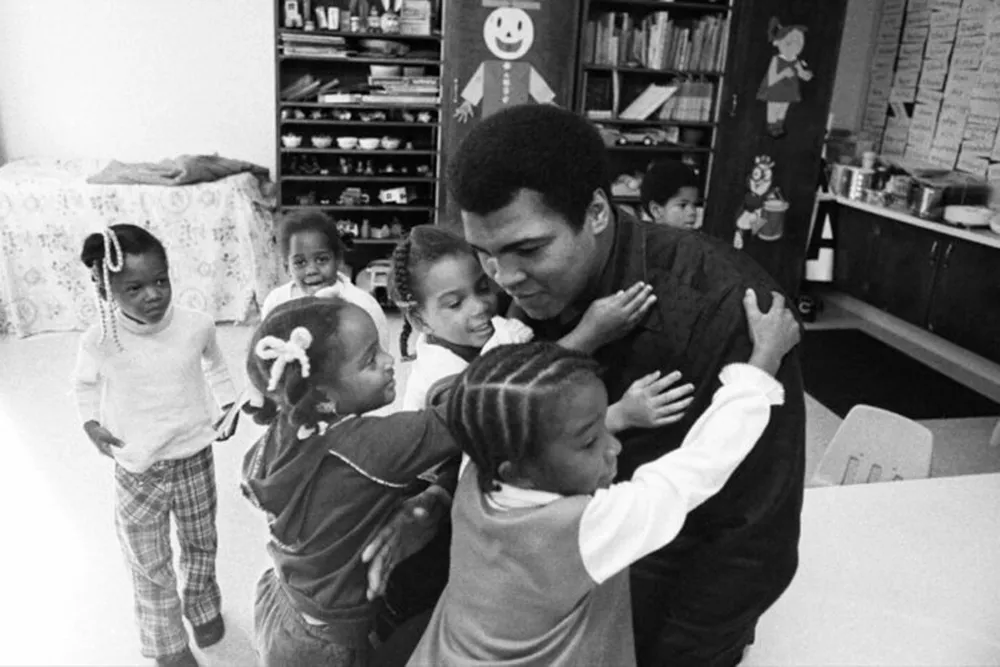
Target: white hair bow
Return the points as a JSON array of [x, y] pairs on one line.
[[285, 351]]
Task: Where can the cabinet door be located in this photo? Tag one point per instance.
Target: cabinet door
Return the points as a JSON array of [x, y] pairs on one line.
[[903, 271], [856, 238], [965, 307], [745, 138], [498, 55]]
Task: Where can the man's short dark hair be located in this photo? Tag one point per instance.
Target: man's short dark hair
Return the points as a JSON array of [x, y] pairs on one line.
[[663, 180], [552, 151]]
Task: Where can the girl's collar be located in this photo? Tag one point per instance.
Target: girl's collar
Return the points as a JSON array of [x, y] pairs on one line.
[[465, 352], [140, 329]]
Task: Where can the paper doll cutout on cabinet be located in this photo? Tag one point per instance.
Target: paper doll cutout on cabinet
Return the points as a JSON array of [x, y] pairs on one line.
[[780, 87], [764, 208], [509, 34]]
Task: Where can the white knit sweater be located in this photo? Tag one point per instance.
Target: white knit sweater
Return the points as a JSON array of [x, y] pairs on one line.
[[153, 394]]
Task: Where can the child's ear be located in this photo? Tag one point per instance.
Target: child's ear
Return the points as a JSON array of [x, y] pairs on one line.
[[509, 474]]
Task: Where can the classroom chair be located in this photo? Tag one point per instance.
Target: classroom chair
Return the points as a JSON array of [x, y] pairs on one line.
[[875, 445]]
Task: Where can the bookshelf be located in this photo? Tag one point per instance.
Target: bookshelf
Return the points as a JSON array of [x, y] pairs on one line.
[[631, 49], [337, 87]]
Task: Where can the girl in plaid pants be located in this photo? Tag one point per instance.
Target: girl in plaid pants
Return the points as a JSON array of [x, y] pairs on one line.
[[142, 394]]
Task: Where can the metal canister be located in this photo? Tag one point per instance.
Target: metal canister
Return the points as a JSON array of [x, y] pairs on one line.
[[927, 200], [861, 180]]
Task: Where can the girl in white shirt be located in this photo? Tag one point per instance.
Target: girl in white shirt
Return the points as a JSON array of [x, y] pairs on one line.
[[314, 253], [439, 285], [542, 537], [141, 390]]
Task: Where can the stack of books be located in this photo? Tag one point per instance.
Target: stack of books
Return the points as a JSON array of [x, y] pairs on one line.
[[657, 42], [313, 44]]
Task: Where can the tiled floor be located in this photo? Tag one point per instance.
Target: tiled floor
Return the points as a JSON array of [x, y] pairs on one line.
[[66, 595]]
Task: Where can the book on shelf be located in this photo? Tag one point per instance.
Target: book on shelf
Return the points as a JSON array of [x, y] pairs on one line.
[[656, 41], [648, 101]]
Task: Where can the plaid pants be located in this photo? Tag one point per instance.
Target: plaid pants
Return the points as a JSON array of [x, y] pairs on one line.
[[143, 504]]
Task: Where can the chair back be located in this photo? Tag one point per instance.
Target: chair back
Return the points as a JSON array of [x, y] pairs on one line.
[[875, 445]]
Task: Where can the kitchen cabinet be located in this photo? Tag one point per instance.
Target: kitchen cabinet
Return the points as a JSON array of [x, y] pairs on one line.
[[923, 273], [906, 262], [965, 306]]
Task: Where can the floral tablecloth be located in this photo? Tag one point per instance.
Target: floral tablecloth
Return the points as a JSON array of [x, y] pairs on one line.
[[218, 237]]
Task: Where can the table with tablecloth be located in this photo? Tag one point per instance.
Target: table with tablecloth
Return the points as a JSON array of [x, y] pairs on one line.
[[218, 235]]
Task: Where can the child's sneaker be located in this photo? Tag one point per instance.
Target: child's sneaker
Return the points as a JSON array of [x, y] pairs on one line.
[[183, 659], [210, 633]]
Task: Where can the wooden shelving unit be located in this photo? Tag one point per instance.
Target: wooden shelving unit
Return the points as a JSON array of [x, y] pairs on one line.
[[614, 67], [388, 189]]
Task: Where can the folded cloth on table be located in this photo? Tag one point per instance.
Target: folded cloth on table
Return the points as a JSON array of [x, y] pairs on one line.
[[182, 170]]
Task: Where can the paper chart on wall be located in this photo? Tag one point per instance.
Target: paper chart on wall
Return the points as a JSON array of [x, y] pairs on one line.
[[993, 173], [980, 135], [945, 14], [950, 126], [942, 33], [972, 164], [915, 33], [943, 157], [960, 85], [933, 73], [975, 9], [968, 54], [970, 28]]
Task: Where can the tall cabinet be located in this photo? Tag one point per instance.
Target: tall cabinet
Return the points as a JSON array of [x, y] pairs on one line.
[[358, 117]]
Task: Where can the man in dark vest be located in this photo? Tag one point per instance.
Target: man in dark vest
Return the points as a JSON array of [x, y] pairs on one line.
[[532, 185]]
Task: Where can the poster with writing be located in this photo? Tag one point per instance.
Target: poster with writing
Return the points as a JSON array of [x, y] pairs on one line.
[[942, 157], [950, 126]]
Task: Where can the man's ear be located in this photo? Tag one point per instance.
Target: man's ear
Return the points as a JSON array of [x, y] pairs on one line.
[[599, 212]]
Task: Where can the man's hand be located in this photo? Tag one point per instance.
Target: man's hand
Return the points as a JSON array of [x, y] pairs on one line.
[[102, 438], [409, 530], [464, 112]]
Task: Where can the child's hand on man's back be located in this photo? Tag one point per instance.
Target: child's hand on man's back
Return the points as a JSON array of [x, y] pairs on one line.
[[773, 333], [611, 317], [102, 438], [649, 402]]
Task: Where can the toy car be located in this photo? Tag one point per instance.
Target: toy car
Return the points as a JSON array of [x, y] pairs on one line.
[[646, 137]]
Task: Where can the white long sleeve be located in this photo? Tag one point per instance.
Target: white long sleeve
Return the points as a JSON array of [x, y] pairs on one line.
[[631, 519], [216, 371]]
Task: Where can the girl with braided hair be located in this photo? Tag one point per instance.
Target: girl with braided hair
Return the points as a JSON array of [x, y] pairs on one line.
[[140, 385], [440, 286], [327, 475], [542, 537]]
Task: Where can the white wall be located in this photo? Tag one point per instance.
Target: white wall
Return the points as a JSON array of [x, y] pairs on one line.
[[850, 89], [137, 80]]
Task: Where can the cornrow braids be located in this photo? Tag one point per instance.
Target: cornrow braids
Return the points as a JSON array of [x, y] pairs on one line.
[[400, 291], [412, 257], [497, 406], [295, 395]]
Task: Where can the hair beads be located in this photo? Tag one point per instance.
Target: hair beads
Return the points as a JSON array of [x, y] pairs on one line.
[[106, 304]]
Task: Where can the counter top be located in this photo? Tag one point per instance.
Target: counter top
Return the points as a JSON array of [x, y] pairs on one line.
[[894, 573], [981, 236]]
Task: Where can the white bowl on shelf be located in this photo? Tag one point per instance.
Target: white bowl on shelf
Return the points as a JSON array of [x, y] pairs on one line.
[[291, 140], [390, 143], [347, 143], [321, 141], [369, 143]]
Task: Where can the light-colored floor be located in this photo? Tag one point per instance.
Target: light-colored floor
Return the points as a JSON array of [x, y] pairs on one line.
[[67, 598]]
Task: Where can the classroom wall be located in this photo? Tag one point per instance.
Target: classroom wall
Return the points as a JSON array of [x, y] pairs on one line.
[[851, 85], [137, 79]]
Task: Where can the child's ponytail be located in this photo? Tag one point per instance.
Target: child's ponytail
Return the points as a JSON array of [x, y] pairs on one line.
[[401, 292]]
